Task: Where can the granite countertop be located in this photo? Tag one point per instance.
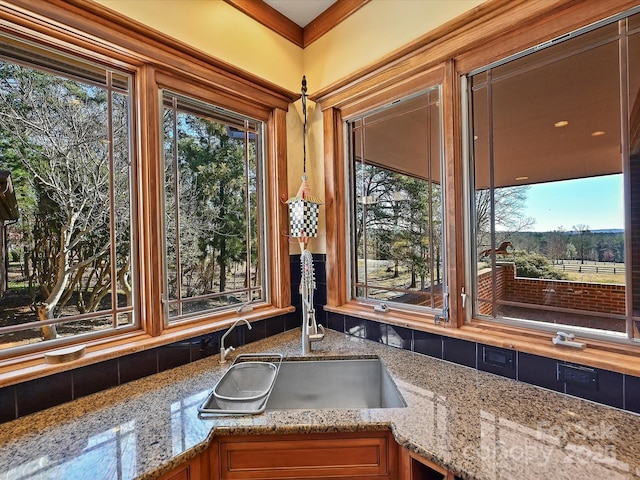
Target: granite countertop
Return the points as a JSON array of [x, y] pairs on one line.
[[479, 425]]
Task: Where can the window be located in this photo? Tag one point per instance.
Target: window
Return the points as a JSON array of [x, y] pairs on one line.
[[65, 139], [397, 224], [556, 218], [214, 246], [132, 215]]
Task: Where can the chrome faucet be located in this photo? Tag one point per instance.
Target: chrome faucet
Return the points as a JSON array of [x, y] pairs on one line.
[[308, 285], [226, 351]]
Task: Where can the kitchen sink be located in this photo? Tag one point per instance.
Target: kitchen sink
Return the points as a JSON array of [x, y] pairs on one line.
[[344, 383]]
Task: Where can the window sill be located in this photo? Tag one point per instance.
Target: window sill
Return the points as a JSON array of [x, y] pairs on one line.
[[621, 358], [32, 366], [402, 318]]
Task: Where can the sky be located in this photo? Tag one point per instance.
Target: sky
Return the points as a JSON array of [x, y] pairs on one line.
[[596, 202]]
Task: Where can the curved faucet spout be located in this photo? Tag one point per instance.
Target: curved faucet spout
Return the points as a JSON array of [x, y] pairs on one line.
[[226, 351]]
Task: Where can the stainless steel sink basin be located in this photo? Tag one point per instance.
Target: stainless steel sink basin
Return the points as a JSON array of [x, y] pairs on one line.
[[350, 383]]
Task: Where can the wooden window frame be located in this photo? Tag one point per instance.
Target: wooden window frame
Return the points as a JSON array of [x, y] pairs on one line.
[[174, 89], [88, 30], [360, 123], [606, 308], [412, 84], [494, 30]]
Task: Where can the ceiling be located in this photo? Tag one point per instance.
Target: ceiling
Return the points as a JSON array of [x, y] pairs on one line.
[[300, 12]]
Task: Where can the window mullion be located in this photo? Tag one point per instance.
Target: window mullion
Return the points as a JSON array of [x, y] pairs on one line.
[[176, 200], [626, 169], [112, 201], [247, 213]]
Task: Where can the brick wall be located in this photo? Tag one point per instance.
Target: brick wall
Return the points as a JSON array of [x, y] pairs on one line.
[[485, 288], [592, 297], [585, 297], [425, 298]]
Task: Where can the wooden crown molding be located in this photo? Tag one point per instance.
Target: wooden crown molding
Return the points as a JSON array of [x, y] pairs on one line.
[[270, 18], [332, 16], [90, 23], [303, 37]]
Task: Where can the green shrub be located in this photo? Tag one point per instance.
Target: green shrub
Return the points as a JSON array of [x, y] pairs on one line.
[[534, 265]]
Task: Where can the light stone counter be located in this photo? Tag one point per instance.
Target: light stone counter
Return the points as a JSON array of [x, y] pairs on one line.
[[476, 424]]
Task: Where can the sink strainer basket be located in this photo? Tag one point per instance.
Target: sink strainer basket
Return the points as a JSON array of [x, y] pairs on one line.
[[245, 385]]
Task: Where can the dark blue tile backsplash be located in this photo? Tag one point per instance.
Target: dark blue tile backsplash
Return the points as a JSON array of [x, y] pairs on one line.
[[91, 379], [427, 343], [7, 404], [174, 355], [540, 371], [632, 393], [399, 337], [138, 365], [608, 388], [45, 392], [602, 386], [459, 351]]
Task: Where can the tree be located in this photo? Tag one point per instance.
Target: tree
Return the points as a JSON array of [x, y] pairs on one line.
[[56, 130], [509, 204], [376, 209], [214, 192], [422, 215], [556, 245], [584, 240]]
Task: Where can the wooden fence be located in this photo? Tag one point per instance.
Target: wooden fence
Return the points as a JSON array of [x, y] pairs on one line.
[[611, 269]]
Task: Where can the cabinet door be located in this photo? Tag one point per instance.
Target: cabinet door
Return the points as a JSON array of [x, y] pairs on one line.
[[187, 471], [414, 467], [182, 473], [368, 455]]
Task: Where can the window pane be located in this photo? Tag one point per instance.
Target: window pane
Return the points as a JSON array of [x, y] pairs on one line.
[[213, 208], [66, 145], [549, 186], [634, 168], [398, 203]]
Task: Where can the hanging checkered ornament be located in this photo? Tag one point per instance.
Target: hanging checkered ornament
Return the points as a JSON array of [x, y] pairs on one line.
[[304, 207], [303, 213]]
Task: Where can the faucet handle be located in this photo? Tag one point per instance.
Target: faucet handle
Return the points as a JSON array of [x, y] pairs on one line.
[[566, 339], [565, 336], [317, 337]]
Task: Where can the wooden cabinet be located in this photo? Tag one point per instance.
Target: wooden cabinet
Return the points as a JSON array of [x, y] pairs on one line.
[[180, 473], [414, 467], [370, 455], [192, 470], [358, 455]]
